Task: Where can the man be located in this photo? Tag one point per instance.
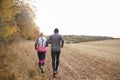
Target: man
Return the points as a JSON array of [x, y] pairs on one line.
[[56, 41], [40, 46]]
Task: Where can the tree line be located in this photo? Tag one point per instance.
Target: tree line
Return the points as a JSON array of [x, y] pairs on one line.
[[84, 38], [16, 21]]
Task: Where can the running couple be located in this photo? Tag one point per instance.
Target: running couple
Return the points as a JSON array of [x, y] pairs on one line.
[[56, 41]]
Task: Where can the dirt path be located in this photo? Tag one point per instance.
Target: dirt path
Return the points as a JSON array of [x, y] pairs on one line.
[[84, 62]]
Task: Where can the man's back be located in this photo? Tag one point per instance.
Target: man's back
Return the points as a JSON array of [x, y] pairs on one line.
[[56, 42]]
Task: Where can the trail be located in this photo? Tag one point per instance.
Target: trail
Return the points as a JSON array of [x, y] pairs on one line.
[[84, 61]]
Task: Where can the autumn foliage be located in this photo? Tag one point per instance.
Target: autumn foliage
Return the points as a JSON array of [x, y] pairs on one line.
[[16, 21]]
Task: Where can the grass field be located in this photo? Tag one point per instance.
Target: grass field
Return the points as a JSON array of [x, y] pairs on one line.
[[98, 60]]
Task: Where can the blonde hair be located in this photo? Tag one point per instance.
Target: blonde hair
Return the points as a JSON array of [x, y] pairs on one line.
[[41, 34]]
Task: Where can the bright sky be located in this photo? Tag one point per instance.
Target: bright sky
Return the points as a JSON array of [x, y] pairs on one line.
[[79, 17]]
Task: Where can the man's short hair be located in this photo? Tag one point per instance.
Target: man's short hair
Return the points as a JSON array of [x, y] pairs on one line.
[[56, 30]]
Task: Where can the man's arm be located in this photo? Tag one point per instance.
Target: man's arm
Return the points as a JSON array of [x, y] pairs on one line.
[[62, 43], [46, 43], [49, 40], [62, 40]]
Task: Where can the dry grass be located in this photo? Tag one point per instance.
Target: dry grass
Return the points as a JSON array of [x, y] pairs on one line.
[[98, 60], [19, 62]]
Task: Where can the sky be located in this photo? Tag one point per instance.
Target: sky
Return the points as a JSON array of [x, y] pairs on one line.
[[79, 17]]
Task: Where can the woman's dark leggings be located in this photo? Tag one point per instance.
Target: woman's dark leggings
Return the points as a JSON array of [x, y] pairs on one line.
[[55, 59], [41, 56]]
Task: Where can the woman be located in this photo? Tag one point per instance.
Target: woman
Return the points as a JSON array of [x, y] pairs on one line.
[[40, 45]]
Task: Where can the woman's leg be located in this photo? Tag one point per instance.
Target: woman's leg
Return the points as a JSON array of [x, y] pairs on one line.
[[41, 56]]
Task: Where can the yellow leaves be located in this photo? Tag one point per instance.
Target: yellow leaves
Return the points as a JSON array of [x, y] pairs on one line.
[[16, 21], [6, 4], [25, 33], [7, 15], [7, 31], [7, 10]]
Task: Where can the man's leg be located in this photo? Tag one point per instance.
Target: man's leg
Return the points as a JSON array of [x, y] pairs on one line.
[[53, 60], [57, 60]]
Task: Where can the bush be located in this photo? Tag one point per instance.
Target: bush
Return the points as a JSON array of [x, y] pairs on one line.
[[12, 76], [31, 73]]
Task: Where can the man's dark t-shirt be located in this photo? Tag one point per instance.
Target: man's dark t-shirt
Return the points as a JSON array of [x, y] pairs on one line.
[[56, 41]]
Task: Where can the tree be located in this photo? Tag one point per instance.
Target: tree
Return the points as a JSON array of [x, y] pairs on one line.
[[7, 23], [16, 20]]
